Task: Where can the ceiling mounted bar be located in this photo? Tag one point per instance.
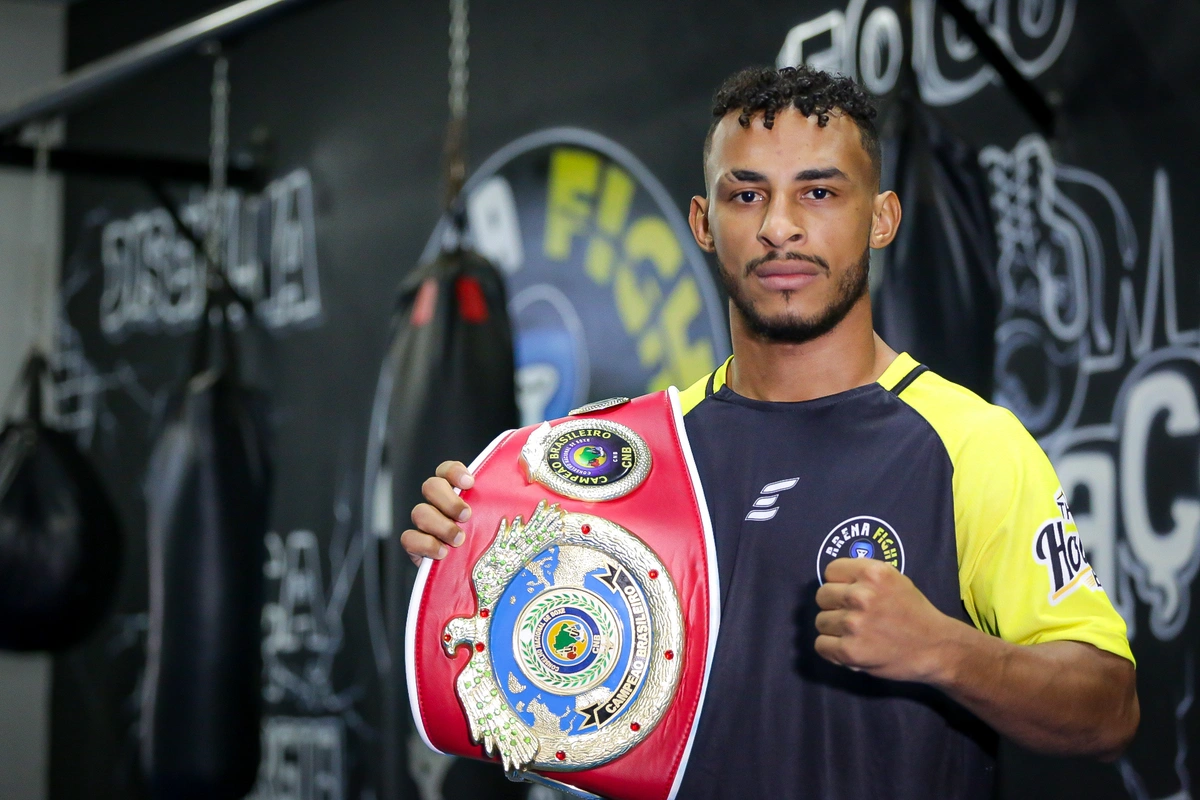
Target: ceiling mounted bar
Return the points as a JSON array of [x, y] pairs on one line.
[[76, 88], [120, 165]]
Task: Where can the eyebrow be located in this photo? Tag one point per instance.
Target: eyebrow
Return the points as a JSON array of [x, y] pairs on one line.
[[821, 174]]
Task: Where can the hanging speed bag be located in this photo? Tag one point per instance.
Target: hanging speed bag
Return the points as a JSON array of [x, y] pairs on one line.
[[207, 500], [60, 540]]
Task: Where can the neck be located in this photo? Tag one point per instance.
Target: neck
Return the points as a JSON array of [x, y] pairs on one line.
[[850, 355]]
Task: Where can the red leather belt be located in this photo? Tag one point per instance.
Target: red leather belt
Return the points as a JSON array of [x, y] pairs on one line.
[[571, 636]]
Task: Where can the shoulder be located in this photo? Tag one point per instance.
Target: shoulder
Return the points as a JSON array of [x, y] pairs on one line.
[[969, 426]]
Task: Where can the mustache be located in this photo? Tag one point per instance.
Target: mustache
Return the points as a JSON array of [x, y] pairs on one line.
[[754, 264]]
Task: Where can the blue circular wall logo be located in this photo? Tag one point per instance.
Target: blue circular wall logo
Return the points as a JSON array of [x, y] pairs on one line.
[[609, 294]]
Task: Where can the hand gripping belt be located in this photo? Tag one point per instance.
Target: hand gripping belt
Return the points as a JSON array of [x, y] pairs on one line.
[[570, 639]]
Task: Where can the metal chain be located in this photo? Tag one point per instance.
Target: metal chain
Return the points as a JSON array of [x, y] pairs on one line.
[[40, 234], [456, 131], [218, 159], [459, 52]]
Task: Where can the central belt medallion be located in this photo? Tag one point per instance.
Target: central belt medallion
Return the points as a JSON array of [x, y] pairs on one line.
[[573, 649], [567, 639]]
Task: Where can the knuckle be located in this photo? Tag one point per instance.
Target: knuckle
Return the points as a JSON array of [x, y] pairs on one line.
[[862, 598]]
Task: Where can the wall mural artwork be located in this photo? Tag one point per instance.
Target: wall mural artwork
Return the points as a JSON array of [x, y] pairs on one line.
[[1092, 354]]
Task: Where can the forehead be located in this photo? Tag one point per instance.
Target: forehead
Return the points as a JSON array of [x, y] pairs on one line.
[[794, 142]]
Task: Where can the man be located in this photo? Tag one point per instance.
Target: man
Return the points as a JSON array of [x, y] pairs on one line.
[[901, 578]]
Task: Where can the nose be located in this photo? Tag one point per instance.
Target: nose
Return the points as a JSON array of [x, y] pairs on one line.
[[779, 226]]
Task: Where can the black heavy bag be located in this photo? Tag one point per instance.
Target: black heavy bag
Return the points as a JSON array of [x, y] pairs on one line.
[[207, 497], [453, 392], [938, 296], [452, 357], [60, 540]]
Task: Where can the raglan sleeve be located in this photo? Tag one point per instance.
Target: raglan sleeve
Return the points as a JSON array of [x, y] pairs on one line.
[[1023, 572]]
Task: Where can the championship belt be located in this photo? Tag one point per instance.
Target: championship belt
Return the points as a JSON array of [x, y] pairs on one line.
[[570, 636]]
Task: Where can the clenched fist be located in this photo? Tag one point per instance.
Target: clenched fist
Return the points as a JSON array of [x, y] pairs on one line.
[[874, 619]]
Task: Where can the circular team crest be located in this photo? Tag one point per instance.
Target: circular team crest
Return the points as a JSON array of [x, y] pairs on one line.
[[587, 459], [861, 537], [577, 646]]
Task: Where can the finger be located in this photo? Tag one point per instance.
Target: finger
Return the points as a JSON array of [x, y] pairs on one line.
[[833, 595], [420, 545], [441, 495], [847, 570], [830, 649], [834, 623], [456, 474], [429, 520]]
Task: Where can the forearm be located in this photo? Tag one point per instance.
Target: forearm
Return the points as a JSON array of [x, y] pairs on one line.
[[1061, 698]]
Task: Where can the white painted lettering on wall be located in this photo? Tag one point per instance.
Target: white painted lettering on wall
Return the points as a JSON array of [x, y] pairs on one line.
[[866, 42], [154, 280], [302, 759]]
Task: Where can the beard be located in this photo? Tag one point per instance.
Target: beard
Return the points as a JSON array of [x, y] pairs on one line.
[[791, 328]]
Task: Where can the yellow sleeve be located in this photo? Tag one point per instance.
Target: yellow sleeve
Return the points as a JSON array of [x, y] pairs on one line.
[[1022, 571]]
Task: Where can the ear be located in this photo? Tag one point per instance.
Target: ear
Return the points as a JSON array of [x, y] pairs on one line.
[[698, 221], [885, 219]]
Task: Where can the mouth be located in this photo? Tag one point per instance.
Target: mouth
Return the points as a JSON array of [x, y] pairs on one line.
[[787, 276]]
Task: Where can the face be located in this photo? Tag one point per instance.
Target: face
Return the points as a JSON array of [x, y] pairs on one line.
[[791, 214]]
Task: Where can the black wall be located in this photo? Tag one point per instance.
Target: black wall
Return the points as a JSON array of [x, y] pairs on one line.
[[353, 91]]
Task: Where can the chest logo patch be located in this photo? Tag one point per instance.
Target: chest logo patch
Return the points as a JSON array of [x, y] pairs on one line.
[[861, 537]]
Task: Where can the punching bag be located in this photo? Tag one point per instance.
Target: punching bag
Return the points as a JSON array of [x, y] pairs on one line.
[[453, 392], [60, 540], [207, 497], [937, 297]]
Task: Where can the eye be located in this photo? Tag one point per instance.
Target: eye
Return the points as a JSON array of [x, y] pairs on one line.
[[746, 196], [819, 193]]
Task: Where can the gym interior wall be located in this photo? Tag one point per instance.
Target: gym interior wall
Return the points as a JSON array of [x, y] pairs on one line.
[[1095, 324]]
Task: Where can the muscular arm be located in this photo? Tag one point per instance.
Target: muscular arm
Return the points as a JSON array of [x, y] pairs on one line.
[[1060, 698]]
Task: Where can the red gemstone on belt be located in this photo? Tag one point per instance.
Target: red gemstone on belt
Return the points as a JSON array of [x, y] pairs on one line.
[[560, 755], [585, 528], [633, 726], [479, 647], [483, 612], [653, 574], [446, 638], [669, 655]]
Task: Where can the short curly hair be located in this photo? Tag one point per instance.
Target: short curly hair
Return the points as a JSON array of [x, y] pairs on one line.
[[811, 92]]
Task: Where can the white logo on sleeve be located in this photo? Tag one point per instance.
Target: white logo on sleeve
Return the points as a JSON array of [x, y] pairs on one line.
[[1061, 551], [764, 507]]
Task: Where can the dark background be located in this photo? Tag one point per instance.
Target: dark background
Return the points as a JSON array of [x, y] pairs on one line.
[[354, 91]]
